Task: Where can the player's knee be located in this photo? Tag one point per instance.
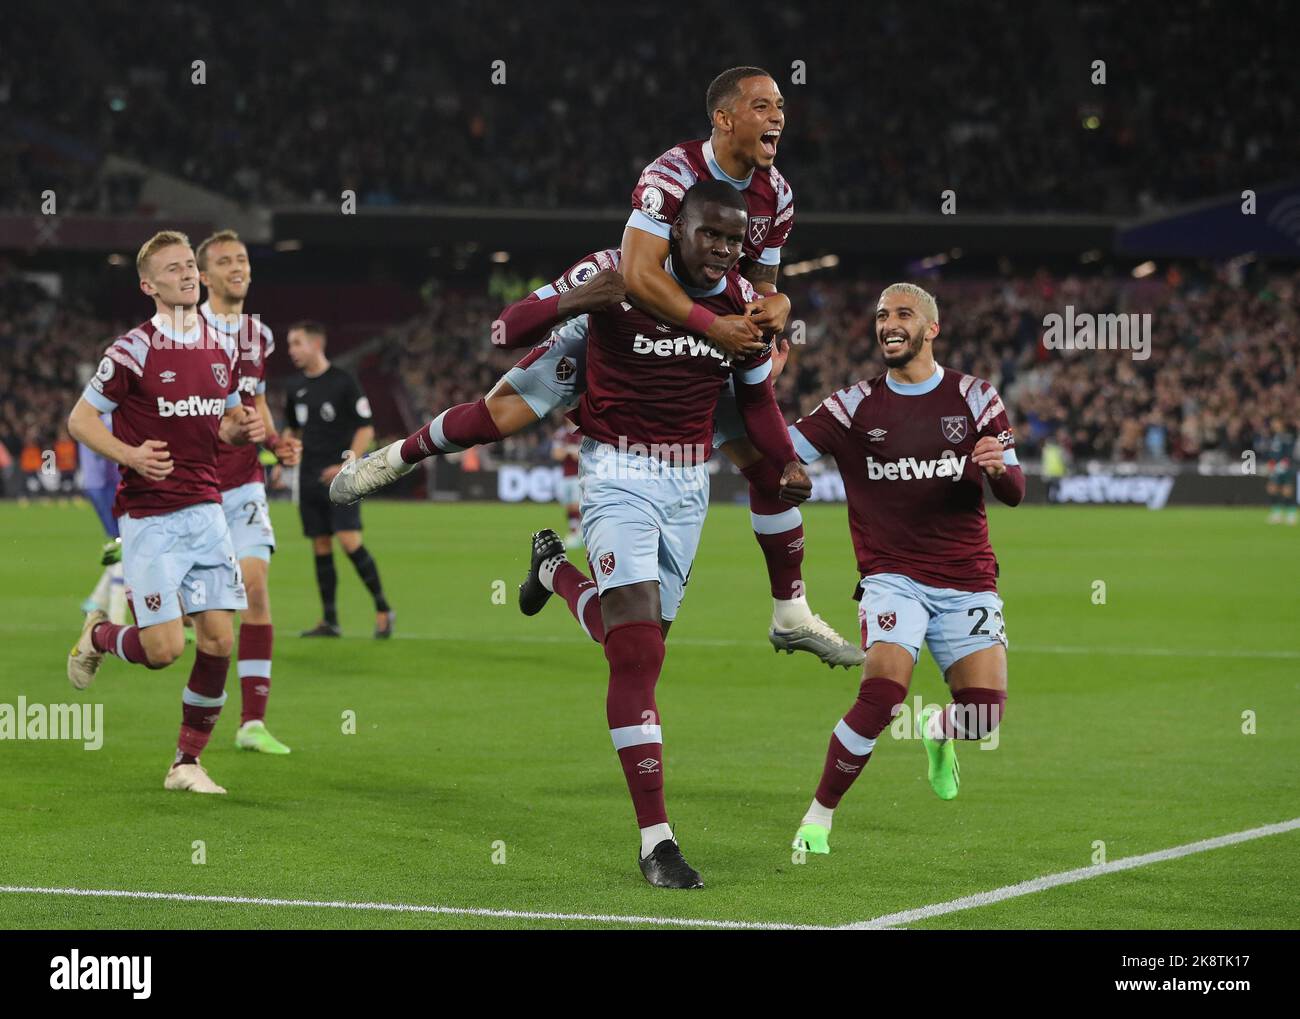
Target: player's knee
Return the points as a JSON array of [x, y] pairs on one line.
[[635, 652], [219, 645], [161, 653], [977, 711], [878, 701]]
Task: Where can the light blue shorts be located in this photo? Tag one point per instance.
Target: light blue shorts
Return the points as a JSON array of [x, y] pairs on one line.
[[180, 559], [553, 375], [641, 520], [897, 610], [249, 521]]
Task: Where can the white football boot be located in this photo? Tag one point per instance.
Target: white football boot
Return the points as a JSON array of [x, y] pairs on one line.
[[83, 660], [359, 478], [191, 778]]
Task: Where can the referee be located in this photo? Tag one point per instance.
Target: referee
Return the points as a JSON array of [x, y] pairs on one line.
[[327, 409]]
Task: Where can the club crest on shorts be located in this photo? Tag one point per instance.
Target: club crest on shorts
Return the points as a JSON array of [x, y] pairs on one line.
[[606, 563], [886, 620], [153, 602], [222, 374], [565, 369], [954, 428], [758, 228]]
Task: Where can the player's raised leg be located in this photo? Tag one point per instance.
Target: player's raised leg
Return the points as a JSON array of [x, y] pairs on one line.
[[550, 572], [778, 528], [547, 378]]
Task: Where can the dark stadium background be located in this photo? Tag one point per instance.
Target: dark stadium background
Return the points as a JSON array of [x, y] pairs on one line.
[[1118, 197]]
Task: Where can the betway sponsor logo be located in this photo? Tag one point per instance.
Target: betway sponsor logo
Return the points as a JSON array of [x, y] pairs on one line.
[[911, 469], [677, 346], [190, 407], [1151, 492]]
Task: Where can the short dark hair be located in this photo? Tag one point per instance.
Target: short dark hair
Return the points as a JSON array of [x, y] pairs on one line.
[[308, 325], [725, 86], [713, 190]]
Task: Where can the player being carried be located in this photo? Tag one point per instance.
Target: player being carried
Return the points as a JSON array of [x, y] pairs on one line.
[[747, 113], [226, 271], [170, 385], [647, 417], [914, 447]]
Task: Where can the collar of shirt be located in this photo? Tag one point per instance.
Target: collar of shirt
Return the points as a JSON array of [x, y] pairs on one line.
[[164, 326], [228, 324], [720, 173], [691, 291], [916, 388]]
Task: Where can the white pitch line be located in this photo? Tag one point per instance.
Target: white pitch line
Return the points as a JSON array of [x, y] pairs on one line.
[[1039, 884], [402, 907]]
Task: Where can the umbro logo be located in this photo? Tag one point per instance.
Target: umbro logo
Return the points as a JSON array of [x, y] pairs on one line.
[[167, 376], [649, 766], [846, 767], [877, 435]]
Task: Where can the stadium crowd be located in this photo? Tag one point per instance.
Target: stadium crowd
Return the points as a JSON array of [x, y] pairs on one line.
[[1224, 362], [384, 100]]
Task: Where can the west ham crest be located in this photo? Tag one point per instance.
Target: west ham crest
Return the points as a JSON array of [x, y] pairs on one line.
[[153, 602], [886, 620], [565, 369], [222, 374], [954, 428], [606, 563], [758, 228]]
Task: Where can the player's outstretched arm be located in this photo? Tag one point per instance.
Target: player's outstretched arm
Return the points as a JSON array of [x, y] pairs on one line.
[[526, 322], [150, 459], [651, 288]]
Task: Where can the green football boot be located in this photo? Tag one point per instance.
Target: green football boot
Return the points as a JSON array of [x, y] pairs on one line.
[[812, 838], [111, 553], [944, 774], [255, 736]]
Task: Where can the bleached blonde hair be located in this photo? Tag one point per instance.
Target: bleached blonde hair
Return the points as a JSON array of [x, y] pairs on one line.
[[162, 239], [928, 304]]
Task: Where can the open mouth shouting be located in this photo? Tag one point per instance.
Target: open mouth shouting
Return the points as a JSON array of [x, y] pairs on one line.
[[768, 141], [713, 271]]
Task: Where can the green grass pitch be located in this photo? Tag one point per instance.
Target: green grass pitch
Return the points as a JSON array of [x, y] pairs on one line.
[[481, 777]]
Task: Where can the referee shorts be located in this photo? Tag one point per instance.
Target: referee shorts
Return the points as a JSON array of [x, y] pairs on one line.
[[320, 517]]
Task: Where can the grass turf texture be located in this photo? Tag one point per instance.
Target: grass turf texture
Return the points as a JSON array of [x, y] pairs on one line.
[[478, 730]]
